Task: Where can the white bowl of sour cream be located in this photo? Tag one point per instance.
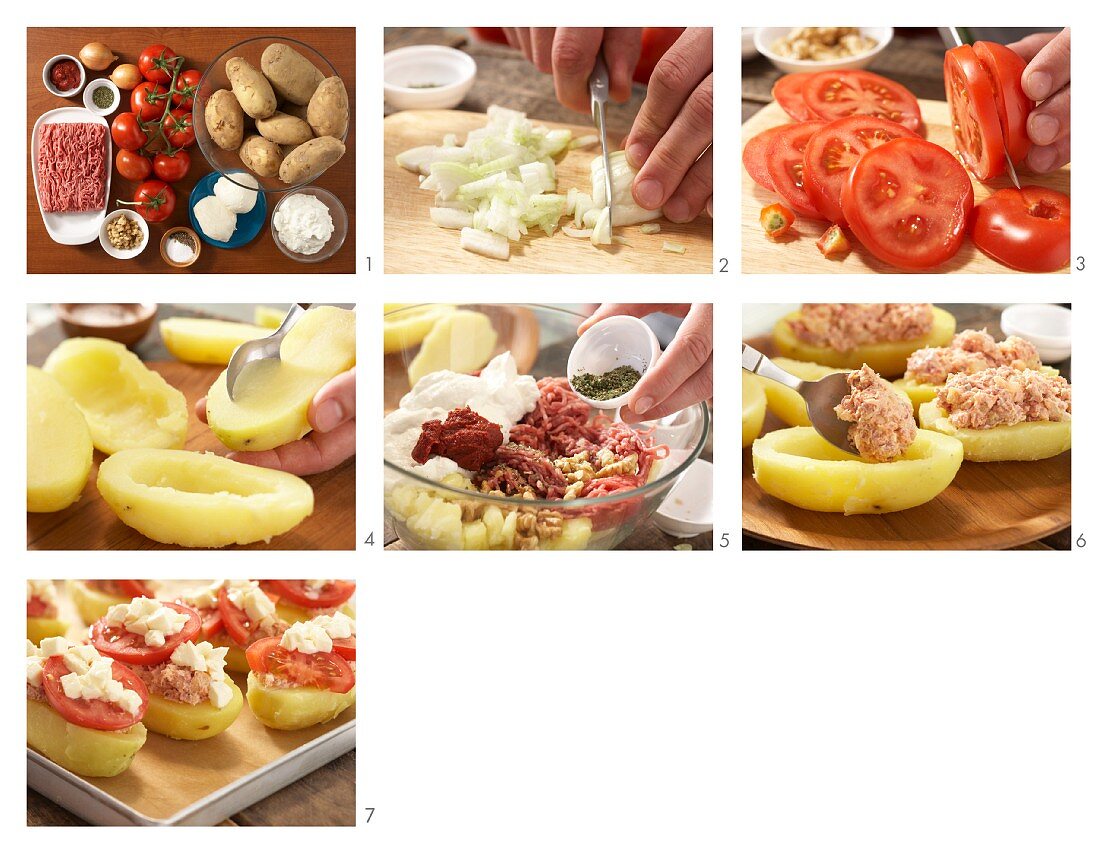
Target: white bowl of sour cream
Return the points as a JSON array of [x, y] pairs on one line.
[[309, 225]]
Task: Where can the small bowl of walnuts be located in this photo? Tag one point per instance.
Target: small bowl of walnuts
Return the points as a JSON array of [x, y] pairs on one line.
[[124, 234], [798, 49]]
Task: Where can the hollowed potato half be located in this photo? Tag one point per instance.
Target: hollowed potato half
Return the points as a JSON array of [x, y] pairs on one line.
[[920, 393], [91, 753], [39, 628], [887, 359], [91, 603], [183, 721], [294, 708], [126, 404], [272, 398], [754, 404], [784, 402], [201, 500], [1020, 442], [59, 446], [197, 340], [799, 466]]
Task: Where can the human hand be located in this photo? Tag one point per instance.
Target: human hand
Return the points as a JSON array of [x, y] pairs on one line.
[[684, 374], [1046, 79], [332, 441], [670, 142], [569, 53]]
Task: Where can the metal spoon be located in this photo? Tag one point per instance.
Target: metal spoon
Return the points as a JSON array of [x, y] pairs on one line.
[[264, 348], [822, 396]]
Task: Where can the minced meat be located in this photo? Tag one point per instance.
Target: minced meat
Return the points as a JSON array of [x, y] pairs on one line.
[[969, 352], [175, 682], [882, 422], [36, 693], [1004, 396], [846, 326]]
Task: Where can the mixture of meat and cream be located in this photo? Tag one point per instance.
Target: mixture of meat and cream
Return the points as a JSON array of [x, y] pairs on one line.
[[882, 423], [846, 326], [1004, 396], [969, 352]]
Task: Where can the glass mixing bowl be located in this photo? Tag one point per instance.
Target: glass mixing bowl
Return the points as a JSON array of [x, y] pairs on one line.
[[427, 514], [214, 78]]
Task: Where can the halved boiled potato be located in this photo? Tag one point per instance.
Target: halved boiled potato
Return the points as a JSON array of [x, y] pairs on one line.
[[197, 340], [267, 316], [91, 603], [919, 392], [272, 398], [39, 628], [198, 499], [462, 341], [754, 404], [292, 613], [92, 753], [126, 404], [235, 659], [408, 328], [1020, 442], [294, 708], [887, 359], [784, 402], [184, 721], [799, 466], [59, 445]]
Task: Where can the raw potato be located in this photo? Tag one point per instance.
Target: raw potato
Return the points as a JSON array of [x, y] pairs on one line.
[[198, 499], [887, 359], [754, 404], [919, 392], [310, 159], [462, 341], [328, 109], [784, 402], [295, 109], [126, 404], [261, 155], [253, 91], [59, 445], [797, 465], [293, 76], [91, 604], [91, 753], [225, 120], [284, 129], [273, 397], [196, 340], [183, 721], [1021, 442], [295, 708]]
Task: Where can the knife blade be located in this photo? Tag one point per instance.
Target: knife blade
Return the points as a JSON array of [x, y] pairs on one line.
[[598, 87]]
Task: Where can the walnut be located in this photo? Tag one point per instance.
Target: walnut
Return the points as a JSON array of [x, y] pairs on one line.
[[526, 542], [472, 509], [525, 523], [548, 524]]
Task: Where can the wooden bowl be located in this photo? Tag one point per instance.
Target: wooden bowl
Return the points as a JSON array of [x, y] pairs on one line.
[[123, 323]]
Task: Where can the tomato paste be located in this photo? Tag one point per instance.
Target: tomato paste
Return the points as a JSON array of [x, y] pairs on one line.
[[466, 437], [65, 75]]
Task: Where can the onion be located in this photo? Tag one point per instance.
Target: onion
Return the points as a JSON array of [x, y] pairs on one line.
[[97, 56], [126, 76]]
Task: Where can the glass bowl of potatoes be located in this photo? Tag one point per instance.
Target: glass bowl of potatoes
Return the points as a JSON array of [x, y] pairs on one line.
[[273, 108]]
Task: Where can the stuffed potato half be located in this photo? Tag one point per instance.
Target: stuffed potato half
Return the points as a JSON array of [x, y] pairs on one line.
[[183, 721], [784, 402], [887, 359], [1032, 441], [91, 603], [82, 750], [800, 467], [295, 708], [754, 404]]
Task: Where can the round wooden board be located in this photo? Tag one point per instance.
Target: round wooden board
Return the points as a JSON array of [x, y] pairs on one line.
[[988, 506]]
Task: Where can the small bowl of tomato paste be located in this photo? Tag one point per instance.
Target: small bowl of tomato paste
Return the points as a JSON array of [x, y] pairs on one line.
[[63, 75]]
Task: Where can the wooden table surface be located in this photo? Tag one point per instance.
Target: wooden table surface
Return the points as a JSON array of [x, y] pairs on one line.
[[200, 45]]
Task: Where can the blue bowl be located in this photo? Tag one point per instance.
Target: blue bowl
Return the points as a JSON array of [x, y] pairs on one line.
[[248, 224]]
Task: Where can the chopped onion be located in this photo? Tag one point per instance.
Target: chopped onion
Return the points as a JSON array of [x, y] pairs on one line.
[[486, 244], [601, 230], [583, 142], [622, 180], [674, 248], [448, 217], [583, 233], [650, 227]]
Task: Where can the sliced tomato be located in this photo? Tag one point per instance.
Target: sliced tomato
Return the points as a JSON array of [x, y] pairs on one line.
[[1006, 73], [95, 714], [787, 92], [297, 592], [974, 119], [328, 671], [134, 588], [776, 220], [834, 149], [37, 608], [235, 620], [754, 155], [907, 201], [833, 242], [1025, 229], [830, 95], [344, 647], [784, 164], [130, 648], [211, 620]]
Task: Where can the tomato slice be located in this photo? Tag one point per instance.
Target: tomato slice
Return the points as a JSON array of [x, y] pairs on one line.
[[754, 155], [787, 92], [131, 649], [974, 118], [96, 714], [235, 621], [834, 149], [134, 588], [297, 592], [344, 647], [328, 671], [784, 163], [37, 608], [907, 201], [1025, 229], [830, 95], [1005, 69], [211, 620]]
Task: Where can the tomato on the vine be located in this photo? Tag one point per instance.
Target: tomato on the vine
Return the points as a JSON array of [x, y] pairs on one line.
[[127, 133], [148, 101], [172, 167], [154, 200], [179, 129], [187, 86], [132, 165], [156, 63]]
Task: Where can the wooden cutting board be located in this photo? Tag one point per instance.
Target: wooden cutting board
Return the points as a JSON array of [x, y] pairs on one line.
[[800, 255], [414, 244], [988, 506], [90, 524]]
